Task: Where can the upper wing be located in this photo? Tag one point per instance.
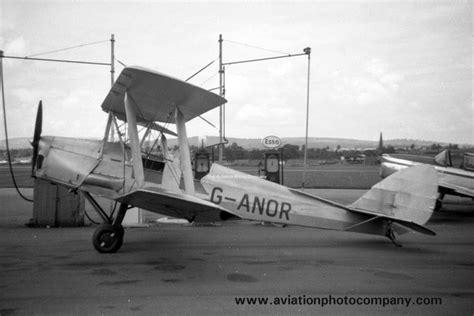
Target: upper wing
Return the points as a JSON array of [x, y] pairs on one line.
[[157, 95], [175, 204]]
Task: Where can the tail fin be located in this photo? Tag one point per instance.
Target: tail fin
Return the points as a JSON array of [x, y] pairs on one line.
[[406, 196]]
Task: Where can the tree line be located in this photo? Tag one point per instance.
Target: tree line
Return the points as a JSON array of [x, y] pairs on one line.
[[235, 152]]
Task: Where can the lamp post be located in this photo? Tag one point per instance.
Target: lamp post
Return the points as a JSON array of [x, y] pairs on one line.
[[307, 51]]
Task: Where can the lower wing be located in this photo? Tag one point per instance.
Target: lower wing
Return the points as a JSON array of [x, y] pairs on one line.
[[456, 189], [175, 205]]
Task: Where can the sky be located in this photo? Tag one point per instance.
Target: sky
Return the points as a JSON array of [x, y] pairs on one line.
[[403, 68]]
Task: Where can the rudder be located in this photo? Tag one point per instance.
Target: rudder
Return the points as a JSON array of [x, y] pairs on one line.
[[408, 195]]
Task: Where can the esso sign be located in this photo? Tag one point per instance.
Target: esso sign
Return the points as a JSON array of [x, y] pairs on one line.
[[271, 142]]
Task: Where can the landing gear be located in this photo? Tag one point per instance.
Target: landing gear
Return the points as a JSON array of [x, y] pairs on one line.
[[108, 238], [391, 235], [439, 201]]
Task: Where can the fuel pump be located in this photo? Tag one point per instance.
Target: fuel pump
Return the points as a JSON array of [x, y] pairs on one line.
[[202, 164], [273, 167], [273, 159]]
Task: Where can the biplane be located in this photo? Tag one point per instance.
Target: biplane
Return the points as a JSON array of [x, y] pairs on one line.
[[126, 167]]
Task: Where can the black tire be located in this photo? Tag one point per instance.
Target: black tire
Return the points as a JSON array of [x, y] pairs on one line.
[[108, 238]]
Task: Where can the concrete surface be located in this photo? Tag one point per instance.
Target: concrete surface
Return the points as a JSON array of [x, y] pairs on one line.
[[182, 269]]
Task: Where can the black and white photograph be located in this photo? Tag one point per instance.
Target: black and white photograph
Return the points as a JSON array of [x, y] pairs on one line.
[[236, 157]]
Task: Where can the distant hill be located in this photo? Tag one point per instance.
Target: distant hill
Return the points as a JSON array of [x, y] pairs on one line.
[[16, 143], [255, 143]]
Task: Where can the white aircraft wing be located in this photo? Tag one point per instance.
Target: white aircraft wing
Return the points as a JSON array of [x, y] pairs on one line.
[[175, 204], [457, 180], [462, 190], [157, 95]]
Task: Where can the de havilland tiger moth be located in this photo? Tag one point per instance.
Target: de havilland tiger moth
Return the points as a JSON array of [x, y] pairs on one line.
[[118, 168]]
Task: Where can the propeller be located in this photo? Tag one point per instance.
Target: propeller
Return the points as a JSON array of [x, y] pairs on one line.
[[37, 136]]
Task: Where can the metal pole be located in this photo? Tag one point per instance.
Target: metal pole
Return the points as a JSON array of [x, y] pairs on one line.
[[112, 80], [112, 59], [282, 182], [222, 139], [262, 59], [221, 93], [59, 60], [111, 127], [307, 50]]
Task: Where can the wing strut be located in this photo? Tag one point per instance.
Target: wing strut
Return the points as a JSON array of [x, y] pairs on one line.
[[185, 157], [134, 141], [362, 223]]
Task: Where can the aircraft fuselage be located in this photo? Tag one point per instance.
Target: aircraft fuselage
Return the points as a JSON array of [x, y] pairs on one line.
[[451, 180]]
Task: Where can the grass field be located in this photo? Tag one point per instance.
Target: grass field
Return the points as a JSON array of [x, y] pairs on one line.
[[22, 176], [337, 176]]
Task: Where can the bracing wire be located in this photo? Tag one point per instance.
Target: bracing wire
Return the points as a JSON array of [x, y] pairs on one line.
[[4, 107], [205, 81], [121, 63], [257, 47], [200, 70], [67, 48]]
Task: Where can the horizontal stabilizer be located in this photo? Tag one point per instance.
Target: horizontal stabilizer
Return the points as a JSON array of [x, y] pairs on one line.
[[416, 227], [399, 226], [408, 196]]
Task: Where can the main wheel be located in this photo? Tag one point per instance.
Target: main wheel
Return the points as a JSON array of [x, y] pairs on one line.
[[108, 238]]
